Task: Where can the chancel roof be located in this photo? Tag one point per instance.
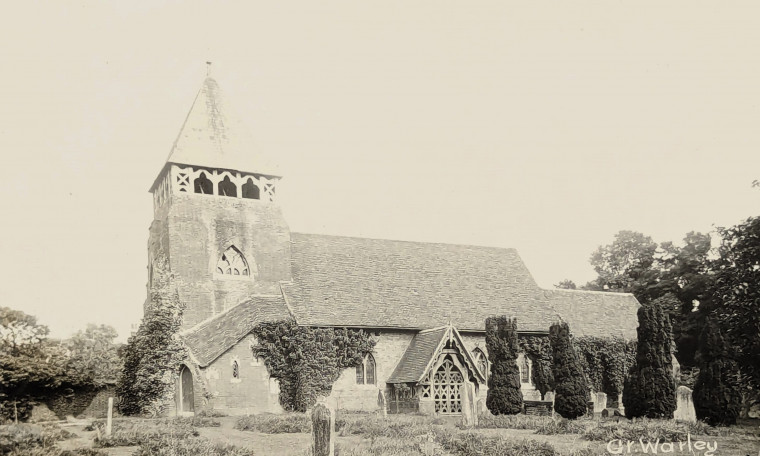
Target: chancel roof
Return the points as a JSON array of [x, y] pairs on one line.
[[596, 313], [374, 283], [212, 338]]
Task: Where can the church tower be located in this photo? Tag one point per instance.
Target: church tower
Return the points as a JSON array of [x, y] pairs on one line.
[[216, 224]]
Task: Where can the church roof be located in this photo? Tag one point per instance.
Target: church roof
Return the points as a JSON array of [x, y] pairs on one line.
[[210, 339], [212, 137], [359, 282], [596, 313]]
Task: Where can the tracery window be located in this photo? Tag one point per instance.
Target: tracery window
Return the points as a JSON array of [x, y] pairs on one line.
[[365, 372], [482, 361], [232, 262], [525, 370]]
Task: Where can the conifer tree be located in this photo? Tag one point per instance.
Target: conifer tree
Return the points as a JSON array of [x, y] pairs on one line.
[[717, 400], [650, 388], [571, 391], [504, 395]]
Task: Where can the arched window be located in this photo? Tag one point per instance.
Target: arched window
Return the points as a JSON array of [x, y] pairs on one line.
[[365, 372], [235, 369], [250, 190], [202, 184], [482, 361], [227, 188], [232, 262], [525, 370]]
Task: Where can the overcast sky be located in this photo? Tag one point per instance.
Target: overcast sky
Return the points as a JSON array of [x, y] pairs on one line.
[[543, 126]]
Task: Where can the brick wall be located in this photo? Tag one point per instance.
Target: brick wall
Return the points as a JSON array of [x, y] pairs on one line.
[[194, 230], [389, 348], [253, 392]]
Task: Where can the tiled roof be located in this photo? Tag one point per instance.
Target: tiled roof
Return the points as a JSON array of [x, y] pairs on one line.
[[211, 339], [419, 355], [594, 313], [345, 281], [213, 138], [412, 365]]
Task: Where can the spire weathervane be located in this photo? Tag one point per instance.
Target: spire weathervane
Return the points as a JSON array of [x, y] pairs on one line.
[[208, 69]]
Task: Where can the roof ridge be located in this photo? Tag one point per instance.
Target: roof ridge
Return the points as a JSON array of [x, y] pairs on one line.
[[405, 241], [589, 291]]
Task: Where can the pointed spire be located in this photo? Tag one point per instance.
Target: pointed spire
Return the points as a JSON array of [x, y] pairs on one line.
[[210, 137]]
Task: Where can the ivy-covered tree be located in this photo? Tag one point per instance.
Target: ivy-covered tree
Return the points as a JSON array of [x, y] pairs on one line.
[[504, 395], [153, 355], [307, 361], [717, 399], [571, 392], [650, 388]]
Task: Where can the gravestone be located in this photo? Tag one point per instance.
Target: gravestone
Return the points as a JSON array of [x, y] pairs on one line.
[[600, 402], [469, 404], [684, 405], [323, 429]]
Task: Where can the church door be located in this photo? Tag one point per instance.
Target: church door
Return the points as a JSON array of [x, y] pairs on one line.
[[186, 397], [446, 385]]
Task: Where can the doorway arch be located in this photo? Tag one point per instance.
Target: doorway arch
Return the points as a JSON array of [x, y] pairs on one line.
[[185, 394]]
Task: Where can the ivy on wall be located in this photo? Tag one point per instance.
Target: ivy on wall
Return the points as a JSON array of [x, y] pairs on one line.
[[307, 361], [154, 353], [605, 361]]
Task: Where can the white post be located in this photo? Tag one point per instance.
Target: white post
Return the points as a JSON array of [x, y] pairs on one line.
[[110, 417]]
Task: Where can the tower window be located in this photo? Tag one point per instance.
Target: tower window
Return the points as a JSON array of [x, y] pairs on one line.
[[235, 369], [250, 190], [227, 188], [232, 262], [365, 372], [202, 184]]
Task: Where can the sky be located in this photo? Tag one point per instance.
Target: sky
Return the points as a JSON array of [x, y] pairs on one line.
[[542, 126]]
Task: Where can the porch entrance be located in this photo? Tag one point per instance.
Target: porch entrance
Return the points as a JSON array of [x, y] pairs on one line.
[[446, 388]]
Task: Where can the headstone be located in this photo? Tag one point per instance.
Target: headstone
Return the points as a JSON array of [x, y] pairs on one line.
[[467, 395], [600, 402], [381, 402], [620, 404], [684, 405], [110, 417], [323, 430]]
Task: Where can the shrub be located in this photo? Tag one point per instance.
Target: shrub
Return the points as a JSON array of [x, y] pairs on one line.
[[571, 392], [650, 389], [275, 424], [717, 400], [504, 396]]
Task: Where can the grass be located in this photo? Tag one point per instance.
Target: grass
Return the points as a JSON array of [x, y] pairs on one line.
[[168, 445], [275, 424], [36, 440], [139, 431]]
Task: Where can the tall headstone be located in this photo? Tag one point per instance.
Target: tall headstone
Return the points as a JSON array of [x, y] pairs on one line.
[[684, 405], [323, 430], [469, 405]]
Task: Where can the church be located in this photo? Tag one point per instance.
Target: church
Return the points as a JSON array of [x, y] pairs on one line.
[[235, 262]]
